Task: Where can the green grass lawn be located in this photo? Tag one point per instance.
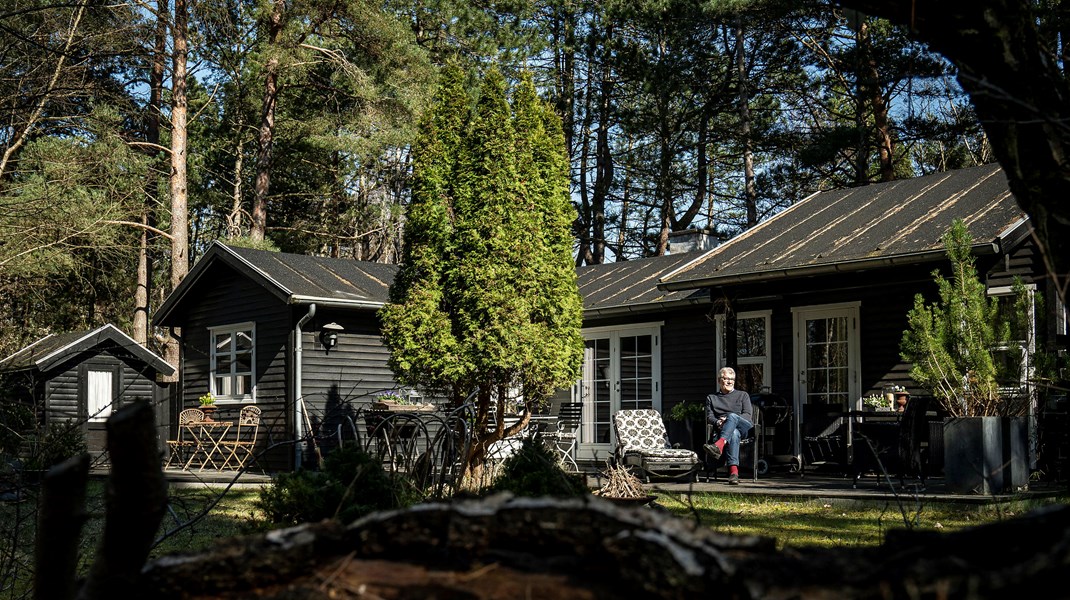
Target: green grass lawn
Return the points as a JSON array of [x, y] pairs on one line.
[[792, 522], [199, 517], [833, 524], [195, 521]]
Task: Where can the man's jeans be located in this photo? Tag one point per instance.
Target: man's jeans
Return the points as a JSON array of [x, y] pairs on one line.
[[734, 429]]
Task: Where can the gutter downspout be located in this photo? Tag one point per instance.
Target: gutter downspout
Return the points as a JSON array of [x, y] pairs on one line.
[[299, 400]]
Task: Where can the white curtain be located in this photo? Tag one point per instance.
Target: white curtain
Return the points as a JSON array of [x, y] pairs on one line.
[[99, 387]]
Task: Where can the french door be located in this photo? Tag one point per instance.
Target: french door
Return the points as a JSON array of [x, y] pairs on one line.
[[826, 360], [621, 370]]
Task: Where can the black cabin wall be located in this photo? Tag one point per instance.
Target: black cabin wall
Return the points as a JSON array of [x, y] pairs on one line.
[[225, 297]]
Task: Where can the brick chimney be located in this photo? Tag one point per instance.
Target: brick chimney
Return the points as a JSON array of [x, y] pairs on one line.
[[692, 240]]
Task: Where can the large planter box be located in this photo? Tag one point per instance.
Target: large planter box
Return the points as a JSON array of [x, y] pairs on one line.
[[985, 455], [1016, 453]]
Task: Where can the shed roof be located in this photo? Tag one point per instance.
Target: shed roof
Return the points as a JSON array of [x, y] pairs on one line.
[[294, 278], [55, 348], [865, 227]]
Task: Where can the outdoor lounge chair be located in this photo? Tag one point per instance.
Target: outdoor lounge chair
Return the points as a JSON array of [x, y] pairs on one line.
[[643, 447]]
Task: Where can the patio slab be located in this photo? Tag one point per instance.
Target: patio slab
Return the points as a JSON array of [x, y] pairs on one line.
[[835, 487]]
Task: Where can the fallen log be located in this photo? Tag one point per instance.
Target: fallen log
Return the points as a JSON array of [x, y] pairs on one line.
[[509, 547]]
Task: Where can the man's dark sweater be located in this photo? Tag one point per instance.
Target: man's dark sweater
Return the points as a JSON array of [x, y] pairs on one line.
[[720, 404]]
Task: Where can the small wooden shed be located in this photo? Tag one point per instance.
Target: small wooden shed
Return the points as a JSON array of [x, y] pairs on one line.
[[82, 377]]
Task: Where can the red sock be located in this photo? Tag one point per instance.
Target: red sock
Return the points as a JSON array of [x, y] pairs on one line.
[[733, 470], [720, 444]]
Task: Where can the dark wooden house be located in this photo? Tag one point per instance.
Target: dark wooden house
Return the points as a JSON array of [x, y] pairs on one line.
[[644, 347], [813, 303], [253, 326], [82, 377], [810, 306]]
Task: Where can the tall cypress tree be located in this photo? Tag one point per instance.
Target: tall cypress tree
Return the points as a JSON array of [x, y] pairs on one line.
[[486, 300], [556, 344], [416, 323]]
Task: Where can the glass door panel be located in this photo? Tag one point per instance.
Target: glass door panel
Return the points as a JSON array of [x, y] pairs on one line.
[[826, 366], [595, 390], [636, 375]]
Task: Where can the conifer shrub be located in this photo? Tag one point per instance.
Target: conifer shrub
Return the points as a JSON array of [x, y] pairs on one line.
[[351, 484], [535, 471], [60, 442], [950, 343]]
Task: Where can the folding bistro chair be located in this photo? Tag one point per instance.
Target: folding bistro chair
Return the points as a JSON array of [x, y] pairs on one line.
[[569, 419], [240, 449], [185, 442], [643, 447], [565, 438]]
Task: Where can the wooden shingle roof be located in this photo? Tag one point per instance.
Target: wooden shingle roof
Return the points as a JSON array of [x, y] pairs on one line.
[[865, 227]]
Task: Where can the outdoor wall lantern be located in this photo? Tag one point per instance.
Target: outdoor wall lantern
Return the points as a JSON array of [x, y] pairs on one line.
[[329, 335]]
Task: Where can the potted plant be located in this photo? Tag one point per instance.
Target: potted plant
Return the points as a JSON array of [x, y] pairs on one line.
[[392, 400], [876, 402], [208, 405], [950, 344], [691, 414], [897, 397]]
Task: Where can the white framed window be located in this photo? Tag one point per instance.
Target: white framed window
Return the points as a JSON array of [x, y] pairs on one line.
[[232, 360], [99, 394], [752, 350]]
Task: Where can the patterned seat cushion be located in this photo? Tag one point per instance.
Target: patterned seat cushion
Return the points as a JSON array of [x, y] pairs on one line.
[[641, 429], [664, 453], [645, 442]]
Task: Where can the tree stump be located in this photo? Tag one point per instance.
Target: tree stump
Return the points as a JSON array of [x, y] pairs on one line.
[[509, 547]]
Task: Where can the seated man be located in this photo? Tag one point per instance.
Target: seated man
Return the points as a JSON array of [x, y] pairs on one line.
[[729, 411]]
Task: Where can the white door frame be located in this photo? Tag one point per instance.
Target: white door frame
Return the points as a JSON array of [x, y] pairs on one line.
[[589, 447], [802, 314]]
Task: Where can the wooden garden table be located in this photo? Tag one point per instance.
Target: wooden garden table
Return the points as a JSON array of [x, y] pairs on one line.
[[207, 435]]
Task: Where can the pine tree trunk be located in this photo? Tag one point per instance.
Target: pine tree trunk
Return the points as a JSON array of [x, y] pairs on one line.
[[267, 130], [179, 143]]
